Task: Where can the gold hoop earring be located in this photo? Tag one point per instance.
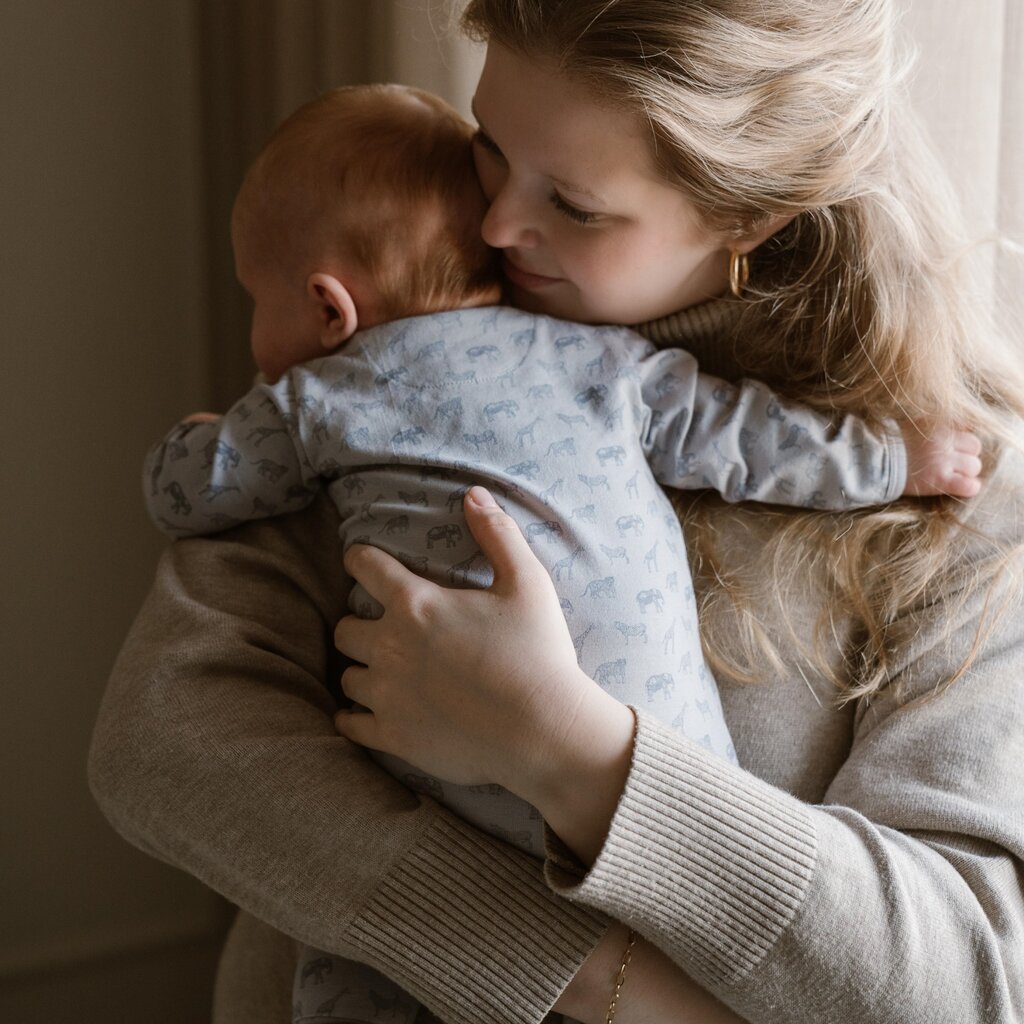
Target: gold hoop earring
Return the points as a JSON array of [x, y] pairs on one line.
[[739, 272]]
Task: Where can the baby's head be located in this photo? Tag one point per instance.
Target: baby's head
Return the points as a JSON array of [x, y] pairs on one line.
[[363, 207]]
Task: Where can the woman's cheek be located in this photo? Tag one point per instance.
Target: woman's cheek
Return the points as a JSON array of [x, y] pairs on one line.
[[605, 274]]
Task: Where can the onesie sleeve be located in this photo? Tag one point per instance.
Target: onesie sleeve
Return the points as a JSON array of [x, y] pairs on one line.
[[748, 444], [215, 751], [898, 897], [250, 463]]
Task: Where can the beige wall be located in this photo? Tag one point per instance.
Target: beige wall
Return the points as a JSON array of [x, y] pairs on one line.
[[113, 276], [968, 84], [124, 128], [100, 306]]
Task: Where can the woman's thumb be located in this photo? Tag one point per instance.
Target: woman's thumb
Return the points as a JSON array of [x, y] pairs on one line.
[[500, 539]]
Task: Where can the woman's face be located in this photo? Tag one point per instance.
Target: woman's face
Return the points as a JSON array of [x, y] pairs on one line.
[[589, 230]]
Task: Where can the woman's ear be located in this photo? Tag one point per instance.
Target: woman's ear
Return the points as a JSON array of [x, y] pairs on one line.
[[335, 309], [746, 244]]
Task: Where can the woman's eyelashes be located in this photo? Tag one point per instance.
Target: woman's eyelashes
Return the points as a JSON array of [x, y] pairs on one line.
[[574, 213]]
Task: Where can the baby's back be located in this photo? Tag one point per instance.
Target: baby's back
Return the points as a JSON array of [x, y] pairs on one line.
[[548, 416]]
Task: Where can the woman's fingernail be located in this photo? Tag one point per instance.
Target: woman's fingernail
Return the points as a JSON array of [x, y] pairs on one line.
[[482, 497]]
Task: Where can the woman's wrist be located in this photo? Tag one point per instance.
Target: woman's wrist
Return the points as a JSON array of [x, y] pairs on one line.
[[653, 991], [577, 786], [587, 996]]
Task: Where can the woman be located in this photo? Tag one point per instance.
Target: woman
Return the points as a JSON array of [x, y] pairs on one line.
[[874, 830]]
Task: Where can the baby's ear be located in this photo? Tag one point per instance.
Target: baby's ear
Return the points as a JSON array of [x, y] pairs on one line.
[[335, 309]]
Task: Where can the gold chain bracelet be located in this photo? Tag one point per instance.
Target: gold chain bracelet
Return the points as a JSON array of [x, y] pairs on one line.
[[627, 955]]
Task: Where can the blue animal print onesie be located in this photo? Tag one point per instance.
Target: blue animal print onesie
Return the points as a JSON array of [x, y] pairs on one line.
[[573, 428]]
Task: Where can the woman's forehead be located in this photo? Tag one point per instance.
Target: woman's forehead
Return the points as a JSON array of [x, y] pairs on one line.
[[534, 111]]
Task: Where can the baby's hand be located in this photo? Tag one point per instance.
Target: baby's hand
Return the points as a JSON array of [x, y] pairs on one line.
[[202, 417], [941, 460]]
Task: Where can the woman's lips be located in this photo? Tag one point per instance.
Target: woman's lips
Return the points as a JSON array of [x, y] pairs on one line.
[[523, 278]]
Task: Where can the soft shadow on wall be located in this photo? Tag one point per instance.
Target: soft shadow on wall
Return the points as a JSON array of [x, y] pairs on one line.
[[126, 127]]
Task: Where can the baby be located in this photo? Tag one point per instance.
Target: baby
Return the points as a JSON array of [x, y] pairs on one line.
[[396, 381]]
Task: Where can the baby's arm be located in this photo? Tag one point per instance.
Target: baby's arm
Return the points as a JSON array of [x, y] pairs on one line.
[[213, 472], [941, 460], [749, 444]]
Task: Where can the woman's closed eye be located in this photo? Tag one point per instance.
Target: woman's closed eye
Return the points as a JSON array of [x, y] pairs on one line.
[[562, 205], [574, 213]]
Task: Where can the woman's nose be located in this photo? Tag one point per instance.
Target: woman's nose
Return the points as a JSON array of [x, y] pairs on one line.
[[507, 223]]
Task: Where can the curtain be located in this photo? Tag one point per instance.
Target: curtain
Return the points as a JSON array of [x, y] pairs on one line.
[[1010, 203], [259, 60], [968, 84]]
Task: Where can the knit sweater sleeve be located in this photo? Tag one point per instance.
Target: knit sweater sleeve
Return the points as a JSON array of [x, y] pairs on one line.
[[214, 751], [900, 896]]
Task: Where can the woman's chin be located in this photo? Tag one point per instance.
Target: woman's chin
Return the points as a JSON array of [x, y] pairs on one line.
[[523, 298], [548, 302]]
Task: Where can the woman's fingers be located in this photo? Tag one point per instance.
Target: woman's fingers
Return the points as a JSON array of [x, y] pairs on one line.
[[500, 539], [359, 726], [381, 575], [355, 684], [353, 636], [358, 723]]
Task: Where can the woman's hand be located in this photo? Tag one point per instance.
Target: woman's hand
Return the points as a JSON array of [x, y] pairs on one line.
[[480, 686]]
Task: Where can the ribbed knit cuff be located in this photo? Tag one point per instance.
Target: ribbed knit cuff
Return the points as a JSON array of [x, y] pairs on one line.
[[705, 860], [479, 927]]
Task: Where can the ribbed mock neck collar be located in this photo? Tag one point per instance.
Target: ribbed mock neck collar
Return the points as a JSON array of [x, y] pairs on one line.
[[706, 330]]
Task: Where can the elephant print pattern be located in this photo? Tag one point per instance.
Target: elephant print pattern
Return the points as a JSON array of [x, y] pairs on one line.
[[574, 429]]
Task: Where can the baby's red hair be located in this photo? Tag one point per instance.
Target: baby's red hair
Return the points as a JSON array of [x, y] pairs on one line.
[[380, 176]]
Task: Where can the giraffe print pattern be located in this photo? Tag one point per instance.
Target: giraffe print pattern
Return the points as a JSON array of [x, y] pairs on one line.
[[574, 430]]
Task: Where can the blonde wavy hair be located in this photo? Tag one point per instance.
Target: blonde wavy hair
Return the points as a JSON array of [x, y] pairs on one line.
[[864, 303]]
